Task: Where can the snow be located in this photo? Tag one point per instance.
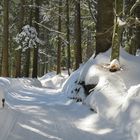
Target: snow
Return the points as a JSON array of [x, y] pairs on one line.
[[114, 65], [27, 38], [1, 96], [41, 109], [116, 96], [51, 80], [120, 22]]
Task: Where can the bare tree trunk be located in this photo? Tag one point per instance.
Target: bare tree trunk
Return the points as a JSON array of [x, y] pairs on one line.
[[137, 11], [131, 38], [18, 52], [68, 38], [78, 48], [5, 63], [35, 55], [90, 48], [117, 32], [104, 26], [26, 69], [59, 40]]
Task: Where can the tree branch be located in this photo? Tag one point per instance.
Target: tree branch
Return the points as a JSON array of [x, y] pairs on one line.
[[137, 3]]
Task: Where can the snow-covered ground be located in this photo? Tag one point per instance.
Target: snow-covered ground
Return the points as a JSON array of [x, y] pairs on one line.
[[116, 98], [36, 113], [53, 81], [41, 110]]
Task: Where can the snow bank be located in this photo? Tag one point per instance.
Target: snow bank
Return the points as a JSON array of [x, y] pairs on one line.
[[116, 98], [113, 88], [71, 82], [51, 80], [2, 93], [8, 86], [130, 113]]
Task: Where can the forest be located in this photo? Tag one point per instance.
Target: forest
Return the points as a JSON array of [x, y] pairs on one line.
[[38, 36], [70, 69]]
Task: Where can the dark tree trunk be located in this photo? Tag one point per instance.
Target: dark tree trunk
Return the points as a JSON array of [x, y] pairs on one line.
[[27, 63], [68, 38], [5, 63], [131, 38], [90, 48], [104, 26], [35, 54], [18, 52], [59, 39], [138, 28], [26, 69], [78, 48]]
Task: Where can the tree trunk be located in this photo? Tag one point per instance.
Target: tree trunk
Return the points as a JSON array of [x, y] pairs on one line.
[[26, 69], [78, 48], [131, 37], [138, 28], [35, 55], [18, 52], [117, 32], [59, 39], [68, 38], [104, 26], [5, 63], [89, 49]]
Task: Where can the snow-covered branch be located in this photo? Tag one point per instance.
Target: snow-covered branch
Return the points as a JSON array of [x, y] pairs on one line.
[[28, 38]]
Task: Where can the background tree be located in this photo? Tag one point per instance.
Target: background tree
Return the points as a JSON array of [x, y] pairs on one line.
[[59, 39], [5, 63], [35, 50], [68, 37], [78, 48], [19, 51]]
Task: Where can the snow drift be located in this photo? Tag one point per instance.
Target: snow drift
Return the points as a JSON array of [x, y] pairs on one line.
[[116, 98], [53, 81]]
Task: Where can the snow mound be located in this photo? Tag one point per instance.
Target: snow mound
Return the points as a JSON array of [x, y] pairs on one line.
[[116, 98], [130, 113], [51, 80], [131, 104], [106, 99], [114, 88], [114, 65], [70, 84]]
